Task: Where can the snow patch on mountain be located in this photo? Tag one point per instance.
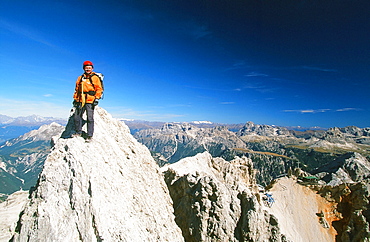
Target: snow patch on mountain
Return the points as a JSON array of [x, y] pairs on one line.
[[201, 122]]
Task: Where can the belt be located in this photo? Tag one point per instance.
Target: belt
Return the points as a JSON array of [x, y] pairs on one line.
[[91, 93]]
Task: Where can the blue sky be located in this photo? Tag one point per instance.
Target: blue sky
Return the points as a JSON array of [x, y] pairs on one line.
[[284, 63]]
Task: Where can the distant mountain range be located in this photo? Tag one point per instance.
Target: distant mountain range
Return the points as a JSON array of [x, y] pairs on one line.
[[13, 127], [273, 149], [32, 120], [137, 125]]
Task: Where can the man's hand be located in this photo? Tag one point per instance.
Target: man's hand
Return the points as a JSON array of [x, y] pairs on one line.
[[96, 102], [76, 104]]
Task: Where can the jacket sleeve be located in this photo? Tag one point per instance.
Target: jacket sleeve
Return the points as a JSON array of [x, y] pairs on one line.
[[98, 87], [77, 87]]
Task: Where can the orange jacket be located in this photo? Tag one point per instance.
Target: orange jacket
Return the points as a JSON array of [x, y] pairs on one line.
[[83, 86]]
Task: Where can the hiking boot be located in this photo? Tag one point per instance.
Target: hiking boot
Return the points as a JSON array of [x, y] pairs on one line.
[[75, 135], [89, 139]]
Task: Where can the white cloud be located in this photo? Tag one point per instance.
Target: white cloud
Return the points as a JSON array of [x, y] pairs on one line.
[[200, 31], [260, 87], [313, 68], [307, 111], [347, 109], [241, 64], [256, 74], [194, 29], [323, 110], [197, 30]]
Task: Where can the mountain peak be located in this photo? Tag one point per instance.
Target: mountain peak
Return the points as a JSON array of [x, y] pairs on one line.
[[264, 130], [99, 191]]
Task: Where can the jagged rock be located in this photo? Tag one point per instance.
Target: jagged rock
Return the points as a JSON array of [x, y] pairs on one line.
[[351, 203], [176, 141], [263, 130], [345, 136], [216, 200], [9, 213], [353, 130], [348, 168], [106, 190]]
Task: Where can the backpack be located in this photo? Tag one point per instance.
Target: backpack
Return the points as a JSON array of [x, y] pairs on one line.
[[101, 78]]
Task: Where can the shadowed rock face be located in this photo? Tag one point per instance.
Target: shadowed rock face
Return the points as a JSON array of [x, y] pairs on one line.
[[216, 200], [352, 203], [348, 168], [107, 190]]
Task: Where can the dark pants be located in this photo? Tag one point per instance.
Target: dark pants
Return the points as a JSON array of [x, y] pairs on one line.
[[79, 122]]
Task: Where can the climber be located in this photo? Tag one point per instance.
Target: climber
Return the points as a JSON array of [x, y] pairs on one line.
[[87, 92]]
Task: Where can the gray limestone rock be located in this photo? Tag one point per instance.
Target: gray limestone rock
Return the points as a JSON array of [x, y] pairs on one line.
[[106, 190], [216, 200], [348, 168], [9, 213]]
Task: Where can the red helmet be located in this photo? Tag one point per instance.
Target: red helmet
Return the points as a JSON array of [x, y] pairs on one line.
[[87, 63]]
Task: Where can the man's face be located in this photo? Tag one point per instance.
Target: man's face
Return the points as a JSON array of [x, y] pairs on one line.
[[88, 69]]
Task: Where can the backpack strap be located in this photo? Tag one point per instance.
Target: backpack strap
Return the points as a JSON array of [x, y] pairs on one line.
[[92, 81], [82, 76], [100, 78]]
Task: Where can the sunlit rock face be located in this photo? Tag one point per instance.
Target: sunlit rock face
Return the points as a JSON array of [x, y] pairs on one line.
[[106, 190]]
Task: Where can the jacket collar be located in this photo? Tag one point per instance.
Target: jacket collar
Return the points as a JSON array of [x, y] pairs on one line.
[[88, 75]]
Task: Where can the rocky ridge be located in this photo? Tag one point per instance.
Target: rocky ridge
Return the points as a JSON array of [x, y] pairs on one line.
[[99, 191], [215, 200], [112, 190], [176, 141], [348, 168]]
